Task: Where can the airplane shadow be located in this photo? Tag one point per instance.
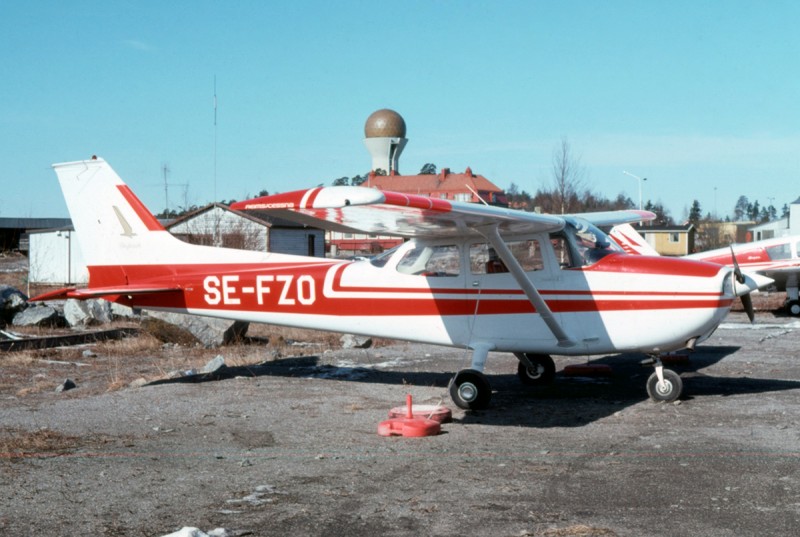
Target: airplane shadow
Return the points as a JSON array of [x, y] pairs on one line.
[[571, 401]]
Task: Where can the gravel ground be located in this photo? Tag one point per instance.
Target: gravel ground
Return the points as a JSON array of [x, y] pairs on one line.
[[289, 447]]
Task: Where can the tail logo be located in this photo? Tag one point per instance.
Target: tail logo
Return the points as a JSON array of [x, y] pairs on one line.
[[127, 230]]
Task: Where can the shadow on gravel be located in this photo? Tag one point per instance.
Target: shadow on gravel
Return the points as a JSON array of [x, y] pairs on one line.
[[569, 402]]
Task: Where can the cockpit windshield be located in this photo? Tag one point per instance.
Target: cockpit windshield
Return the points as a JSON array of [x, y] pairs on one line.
[[589, 242], [381, 259]]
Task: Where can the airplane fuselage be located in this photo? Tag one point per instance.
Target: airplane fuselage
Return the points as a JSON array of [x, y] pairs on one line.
[[619, 303]]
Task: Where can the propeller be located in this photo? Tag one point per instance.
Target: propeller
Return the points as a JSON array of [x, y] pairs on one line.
[[747, 302]]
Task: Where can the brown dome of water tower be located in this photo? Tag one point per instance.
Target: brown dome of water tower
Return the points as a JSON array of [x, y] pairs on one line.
[[385, 138]]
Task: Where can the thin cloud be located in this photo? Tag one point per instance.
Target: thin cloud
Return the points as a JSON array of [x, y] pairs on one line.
[[138, 45]]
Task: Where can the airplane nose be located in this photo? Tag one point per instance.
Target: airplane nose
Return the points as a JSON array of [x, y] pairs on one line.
[[752, 282]]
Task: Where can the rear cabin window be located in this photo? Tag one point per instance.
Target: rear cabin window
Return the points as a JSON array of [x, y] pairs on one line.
[[439, 260], [484, 260]]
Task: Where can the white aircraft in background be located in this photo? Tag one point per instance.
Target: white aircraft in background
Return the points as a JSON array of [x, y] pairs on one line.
[[470, 276], [777, 259]]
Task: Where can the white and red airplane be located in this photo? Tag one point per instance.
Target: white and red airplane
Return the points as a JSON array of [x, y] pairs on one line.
[[777, 259], [470, 276]]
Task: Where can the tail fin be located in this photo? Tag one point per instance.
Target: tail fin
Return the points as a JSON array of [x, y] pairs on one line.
[[127, 251], [630, 240], [112, 224]]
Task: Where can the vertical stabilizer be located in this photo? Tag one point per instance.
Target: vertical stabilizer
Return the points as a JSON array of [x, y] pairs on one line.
[[631, 241], [112, 224]]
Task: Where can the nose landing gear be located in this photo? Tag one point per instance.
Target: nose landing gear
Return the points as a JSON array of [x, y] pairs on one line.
[[664, 385]]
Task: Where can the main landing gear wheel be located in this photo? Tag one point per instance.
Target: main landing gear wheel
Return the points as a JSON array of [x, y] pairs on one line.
[[539, 369], [793, 307], [470, 390], [666, 391]]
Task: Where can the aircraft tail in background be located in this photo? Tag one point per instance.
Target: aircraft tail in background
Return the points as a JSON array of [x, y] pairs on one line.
[[630, 240]]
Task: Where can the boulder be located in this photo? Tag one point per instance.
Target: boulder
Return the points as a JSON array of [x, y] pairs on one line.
[[37, 316], [12, 301], [349, 341], [209, 331], [83, 313], [118, 310], [215, 365]]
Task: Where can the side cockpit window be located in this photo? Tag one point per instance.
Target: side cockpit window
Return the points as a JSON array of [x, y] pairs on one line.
[[562, 251], [428, 260], [484, 260]]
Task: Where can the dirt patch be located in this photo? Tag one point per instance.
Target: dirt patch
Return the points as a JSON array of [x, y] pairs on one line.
[[18, 443]]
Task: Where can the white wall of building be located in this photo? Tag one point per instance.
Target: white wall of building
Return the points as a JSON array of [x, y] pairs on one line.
[[226, 224], [55, 258], [784, 227]]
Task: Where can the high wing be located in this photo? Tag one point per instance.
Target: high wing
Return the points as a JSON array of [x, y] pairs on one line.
[[380, 212]]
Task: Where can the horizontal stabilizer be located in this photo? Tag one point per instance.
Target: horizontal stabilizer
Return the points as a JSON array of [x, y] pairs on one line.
[[99, 292]]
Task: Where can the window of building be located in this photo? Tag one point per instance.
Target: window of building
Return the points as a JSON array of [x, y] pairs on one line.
[[463, 196], [674, 237]]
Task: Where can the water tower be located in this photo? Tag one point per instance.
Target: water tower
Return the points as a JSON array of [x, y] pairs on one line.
[[385, 138]]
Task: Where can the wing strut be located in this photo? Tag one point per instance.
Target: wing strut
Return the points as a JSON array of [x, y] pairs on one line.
[[493, 236]]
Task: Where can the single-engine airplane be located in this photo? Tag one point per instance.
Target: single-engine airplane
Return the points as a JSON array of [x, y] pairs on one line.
[[471, 276], [777, 259]]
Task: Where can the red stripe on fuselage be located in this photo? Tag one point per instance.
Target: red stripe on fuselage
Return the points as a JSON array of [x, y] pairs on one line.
[[640, 264], [284, 293]]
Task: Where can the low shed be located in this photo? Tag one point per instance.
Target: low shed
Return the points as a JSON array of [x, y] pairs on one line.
[[55, 258]]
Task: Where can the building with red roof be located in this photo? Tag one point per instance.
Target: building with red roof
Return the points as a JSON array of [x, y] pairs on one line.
[[384, 137], [465, 186]]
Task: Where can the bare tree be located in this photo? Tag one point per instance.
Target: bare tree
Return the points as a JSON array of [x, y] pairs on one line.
[[568, 177]]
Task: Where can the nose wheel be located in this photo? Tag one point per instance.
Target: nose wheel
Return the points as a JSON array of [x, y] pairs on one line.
[[470, 390], [664, 385]]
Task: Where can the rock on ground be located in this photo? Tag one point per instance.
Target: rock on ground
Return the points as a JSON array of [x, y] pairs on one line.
[[209, 331], [37, 316]]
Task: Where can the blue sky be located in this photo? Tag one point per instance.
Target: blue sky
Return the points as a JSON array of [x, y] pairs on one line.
[[701, 98]]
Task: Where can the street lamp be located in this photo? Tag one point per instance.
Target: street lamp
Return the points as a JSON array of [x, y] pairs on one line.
[[715, 204], [640, 179]]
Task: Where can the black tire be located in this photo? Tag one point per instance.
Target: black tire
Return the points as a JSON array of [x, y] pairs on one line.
[[793, 307], [669, 391], [543, 371], [470, 390]]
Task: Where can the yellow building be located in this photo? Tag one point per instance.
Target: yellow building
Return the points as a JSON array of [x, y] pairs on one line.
[[669, 240]]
